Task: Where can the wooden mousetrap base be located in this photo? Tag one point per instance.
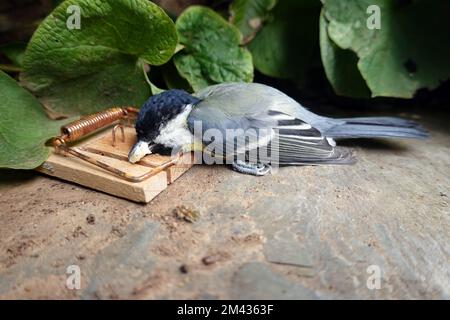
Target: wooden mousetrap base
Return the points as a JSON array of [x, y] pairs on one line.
[[99, 146]]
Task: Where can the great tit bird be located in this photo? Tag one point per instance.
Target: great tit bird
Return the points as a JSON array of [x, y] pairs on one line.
[[259, 112]]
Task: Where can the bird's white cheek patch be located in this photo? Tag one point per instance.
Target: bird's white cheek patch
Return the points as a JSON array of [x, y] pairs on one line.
[[176, 133], [175, 138]]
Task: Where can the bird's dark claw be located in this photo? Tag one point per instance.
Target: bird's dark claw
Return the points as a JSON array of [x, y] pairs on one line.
[[256, 169]]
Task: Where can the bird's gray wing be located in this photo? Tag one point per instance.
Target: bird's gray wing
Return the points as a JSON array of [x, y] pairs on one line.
[[266, 115]]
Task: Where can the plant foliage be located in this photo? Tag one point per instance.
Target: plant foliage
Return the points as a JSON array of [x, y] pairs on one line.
[[78, 71], [24, 127], [121, 44]]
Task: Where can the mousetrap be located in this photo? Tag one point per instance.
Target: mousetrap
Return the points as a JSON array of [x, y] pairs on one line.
[[93, 152]]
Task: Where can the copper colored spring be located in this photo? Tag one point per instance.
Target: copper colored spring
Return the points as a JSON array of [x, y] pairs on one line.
[[91, 123]]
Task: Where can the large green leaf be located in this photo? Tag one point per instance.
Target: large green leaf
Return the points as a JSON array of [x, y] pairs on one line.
[[409, 52], [83, 70], [249, 16], [340, 66], [212, 53], [285, 45], [24, 127]]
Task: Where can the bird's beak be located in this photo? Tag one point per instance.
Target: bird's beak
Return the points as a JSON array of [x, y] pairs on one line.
[[139, 150]]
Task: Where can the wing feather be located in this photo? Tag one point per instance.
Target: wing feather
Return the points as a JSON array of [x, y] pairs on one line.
[[296, 141]]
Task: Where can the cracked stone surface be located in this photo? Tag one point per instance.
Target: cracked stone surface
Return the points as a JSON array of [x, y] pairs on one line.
[[303, 233]]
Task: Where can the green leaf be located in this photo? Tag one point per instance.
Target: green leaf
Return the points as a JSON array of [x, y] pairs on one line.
[[340, 66], [285, 45], [212, 53], [409, 52], [79, 71], [249, 15], [24, 127]]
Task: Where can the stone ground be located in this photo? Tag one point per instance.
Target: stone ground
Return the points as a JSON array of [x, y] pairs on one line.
[[305, 232]]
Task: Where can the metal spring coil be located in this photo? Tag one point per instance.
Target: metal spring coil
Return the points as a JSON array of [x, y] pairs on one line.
[[91, 123]]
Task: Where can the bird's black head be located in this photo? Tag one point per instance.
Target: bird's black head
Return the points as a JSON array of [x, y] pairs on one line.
[[155, 114], [158, 110]]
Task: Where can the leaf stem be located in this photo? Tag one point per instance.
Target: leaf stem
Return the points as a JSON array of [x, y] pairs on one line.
[[10, 68], [154, 89]]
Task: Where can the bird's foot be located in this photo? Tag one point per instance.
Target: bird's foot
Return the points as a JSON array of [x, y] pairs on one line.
[[256, 169]]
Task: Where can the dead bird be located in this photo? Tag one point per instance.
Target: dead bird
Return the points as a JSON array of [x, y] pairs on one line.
[[261, 118]]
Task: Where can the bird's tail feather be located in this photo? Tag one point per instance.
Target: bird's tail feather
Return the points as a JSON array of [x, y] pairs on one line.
[[382, 127]]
